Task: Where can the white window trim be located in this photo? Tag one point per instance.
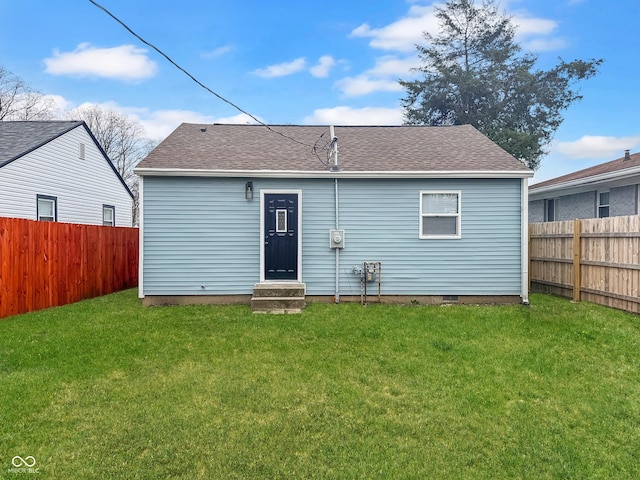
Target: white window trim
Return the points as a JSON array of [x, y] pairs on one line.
[[608, 205], [458, 216], [113, 215], [54, 203]]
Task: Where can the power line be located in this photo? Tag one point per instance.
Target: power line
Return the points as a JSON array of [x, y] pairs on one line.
[[194, 78]]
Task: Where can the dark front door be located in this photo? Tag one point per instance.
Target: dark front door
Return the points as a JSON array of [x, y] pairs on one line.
[[281, 236]]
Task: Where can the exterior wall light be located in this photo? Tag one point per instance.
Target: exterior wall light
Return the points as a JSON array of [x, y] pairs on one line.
[[248, 191]]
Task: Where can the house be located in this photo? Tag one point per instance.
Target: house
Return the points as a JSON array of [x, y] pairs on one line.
[[438, 213], [606, 190], [57, 171]]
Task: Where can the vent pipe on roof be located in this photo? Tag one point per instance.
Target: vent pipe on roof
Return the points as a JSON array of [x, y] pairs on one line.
[[626, 155], [334, 142]]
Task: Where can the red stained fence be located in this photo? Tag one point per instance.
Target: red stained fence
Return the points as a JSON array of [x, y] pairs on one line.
[[48, 264]]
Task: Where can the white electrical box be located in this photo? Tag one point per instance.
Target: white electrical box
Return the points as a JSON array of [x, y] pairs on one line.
[[336, 238]]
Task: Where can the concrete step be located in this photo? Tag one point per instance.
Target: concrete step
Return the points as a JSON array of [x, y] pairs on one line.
[[278, 298], [277, 304], [278, 290]]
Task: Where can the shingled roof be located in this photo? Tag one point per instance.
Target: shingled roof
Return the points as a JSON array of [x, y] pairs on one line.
[[620, 166], [223, 149], [19, 138]]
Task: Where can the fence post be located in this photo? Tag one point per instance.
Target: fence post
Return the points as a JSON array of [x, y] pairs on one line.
[[576, 259]]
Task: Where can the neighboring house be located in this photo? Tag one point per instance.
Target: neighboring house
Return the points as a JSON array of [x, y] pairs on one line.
[[226, 207], [606, 190], [57, 171]]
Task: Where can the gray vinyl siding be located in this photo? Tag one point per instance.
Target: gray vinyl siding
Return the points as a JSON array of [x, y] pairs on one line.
[[536, 211], [580, 205], [202, 237], [81, 187], [622, 201]]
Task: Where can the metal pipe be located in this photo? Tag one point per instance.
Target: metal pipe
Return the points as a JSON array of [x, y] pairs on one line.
[[524, 236], [334, 141], [337, 207], [141, 237]]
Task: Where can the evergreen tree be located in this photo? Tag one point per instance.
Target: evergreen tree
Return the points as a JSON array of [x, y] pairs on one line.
[[475, 73]]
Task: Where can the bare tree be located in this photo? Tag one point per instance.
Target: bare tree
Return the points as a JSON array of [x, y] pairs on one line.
[[19, 101], [122, 138]]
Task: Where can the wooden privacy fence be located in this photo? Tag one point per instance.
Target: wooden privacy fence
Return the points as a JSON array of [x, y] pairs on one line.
[[597, 260], [47, 264]]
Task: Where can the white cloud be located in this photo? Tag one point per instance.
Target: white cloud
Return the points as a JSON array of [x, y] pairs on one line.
[[383, 77], [365, 85], [355, 116], [125, 62], [404, 34], [282, 69], [158, 124], [526, 26], [394, 66], [60, 103], [594, 146], [537, 34], [322, 69], [241, 118], [218, 52], [545, 44]]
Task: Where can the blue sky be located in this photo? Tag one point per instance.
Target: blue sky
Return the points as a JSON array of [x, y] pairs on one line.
[[311, 62]]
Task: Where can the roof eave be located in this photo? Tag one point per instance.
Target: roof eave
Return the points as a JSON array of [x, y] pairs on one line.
[[582, 183], [180, 172]]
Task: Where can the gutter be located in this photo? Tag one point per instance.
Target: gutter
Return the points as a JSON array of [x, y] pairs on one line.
[[189, 172], [534, 192]]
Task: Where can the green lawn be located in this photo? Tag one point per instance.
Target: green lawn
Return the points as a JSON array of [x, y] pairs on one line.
[[108, 389]]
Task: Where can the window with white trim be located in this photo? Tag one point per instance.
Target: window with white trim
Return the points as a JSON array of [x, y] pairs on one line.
[[108, 215], [47, 208], [550, 206], [603, 204], [440, 215]]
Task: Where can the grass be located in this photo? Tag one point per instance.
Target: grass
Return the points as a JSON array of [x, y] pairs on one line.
[[106, 388]]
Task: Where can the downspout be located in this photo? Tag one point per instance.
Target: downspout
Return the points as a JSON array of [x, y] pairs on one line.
[[336, 168], [141, 237], [524, 235], [337, 249]]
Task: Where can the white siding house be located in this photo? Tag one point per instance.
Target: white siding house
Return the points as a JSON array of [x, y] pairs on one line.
[[57, 171]]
